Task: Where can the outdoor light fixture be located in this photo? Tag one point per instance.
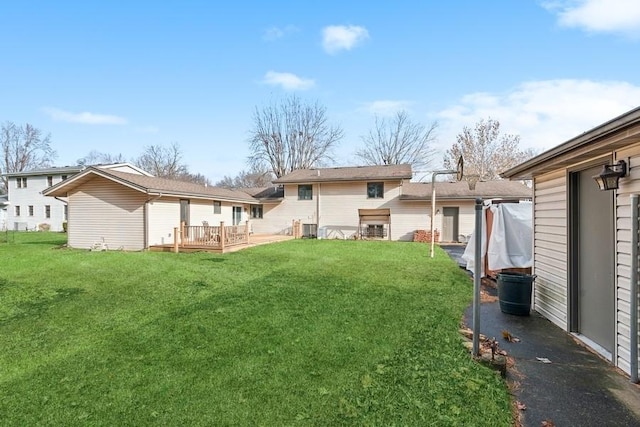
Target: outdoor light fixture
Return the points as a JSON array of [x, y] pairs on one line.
[[610, 174]]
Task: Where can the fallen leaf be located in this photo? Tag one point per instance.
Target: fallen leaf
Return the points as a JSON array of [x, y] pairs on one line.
[[521, 406], [548, 423], [543, 360]]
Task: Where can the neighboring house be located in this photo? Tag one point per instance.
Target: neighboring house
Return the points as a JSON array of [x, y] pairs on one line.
[[4, 204], [28, 207], [372, 202], [132, 211], [30, 210], [582, 237]]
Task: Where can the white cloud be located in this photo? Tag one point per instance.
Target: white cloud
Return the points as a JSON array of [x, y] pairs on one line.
[[84, 117], [341, 37], [275, 33], [544, 113], [613, 16], [287, 81], [386, 107]]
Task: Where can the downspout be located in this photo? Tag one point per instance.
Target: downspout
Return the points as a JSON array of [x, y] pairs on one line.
[[318, 212], [66, 203], [146, 219], [633, 315]]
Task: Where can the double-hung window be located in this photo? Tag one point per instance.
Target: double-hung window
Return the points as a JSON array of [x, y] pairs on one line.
[[375, 190], [256, 211], [305, 192]]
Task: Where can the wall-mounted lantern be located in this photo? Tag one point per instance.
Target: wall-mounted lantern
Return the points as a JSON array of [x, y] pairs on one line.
[[610, 174]]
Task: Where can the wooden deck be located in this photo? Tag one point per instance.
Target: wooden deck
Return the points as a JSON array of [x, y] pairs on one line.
[[254, 240]]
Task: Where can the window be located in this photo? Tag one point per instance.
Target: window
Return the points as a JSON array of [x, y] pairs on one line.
[[64, 177], [375, 230], [305, 192], [256, 211], [375, 190], [65, 212], [47, 211], [217, 207], [49, 181], [21, 182], [17, 210], [30, 210]]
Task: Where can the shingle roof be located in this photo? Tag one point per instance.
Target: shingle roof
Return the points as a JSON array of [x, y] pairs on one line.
[[60, 170], [460, 190], [268, 193], [153, 185], [357, 173]]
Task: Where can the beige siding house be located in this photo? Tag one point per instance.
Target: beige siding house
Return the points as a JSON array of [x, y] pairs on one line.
[[374, 202], [582, 237], [132, 211]]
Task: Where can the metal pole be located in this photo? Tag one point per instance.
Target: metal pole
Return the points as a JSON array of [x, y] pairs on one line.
[[633, 338], [433, 202], [433, 209], [477, 271]]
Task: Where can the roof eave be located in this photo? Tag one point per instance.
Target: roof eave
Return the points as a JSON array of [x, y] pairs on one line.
[[377, 178], [527, 169]]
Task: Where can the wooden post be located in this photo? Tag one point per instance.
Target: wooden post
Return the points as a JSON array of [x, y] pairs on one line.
[[182, 225], [222, 235], [176, 236], [246, 232], [293, 229]]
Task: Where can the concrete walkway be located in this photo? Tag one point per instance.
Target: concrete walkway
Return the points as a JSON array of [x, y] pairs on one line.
[[577, 387]]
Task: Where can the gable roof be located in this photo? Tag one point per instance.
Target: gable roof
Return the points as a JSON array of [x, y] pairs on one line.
[[266, 194], [149, 185], [599, 141], [496, 189], [123, 167], [354, 173]]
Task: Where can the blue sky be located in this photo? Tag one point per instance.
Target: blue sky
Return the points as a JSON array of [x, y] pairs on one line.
[[118, 76]]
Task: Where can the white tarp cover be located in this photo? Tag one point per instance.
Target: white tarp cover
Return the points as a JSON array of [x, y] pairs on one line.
[[510, 244]]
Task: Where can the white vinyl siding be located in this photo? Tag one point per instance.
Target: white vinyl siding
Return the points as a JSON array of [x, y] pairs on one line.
[[338, 205], [550, 248], [31, 196], [629, 185], [164, 216], [103, 211]]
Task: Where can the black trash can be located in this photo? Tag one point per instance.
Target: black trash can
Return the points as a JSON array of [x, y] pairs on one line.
[[514, 292]]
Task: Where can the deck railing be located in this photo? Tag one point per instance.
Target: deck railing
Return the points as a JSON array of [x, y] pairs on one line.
[[210, 236]]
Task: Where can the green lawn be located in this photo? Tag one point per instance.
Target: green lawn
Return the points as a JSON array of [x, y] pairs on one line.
[[305, 332]]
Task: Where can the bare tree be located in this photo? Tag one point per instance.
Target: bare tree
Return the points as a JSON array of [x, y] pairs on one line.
[[486, 153], [248, 179], [196, 178], [398, 141], [23, 148], [163, 162], [166, 162], [97, 158], [292, 135]]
